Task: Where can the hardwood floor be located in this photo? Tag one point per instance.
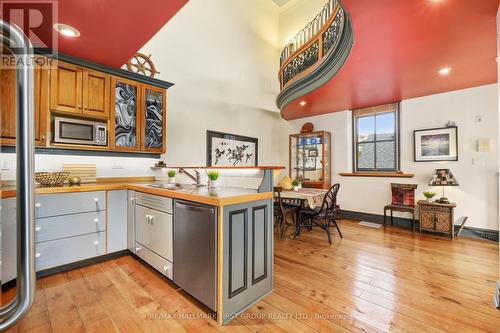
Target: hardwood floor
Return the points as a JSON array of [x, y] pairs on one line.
[[370, 281]]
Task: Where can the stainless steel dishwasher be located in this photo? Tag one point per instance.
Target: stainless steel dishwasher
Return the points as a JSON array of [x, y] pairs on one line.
[[195, 250]]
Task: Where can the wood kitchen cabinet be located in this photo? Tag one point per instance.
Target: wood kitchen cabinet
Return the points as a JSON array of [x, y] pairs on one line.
[[153, 117], [436, 217], [139, 116], [124, 132], [78, 90], [8, 105]]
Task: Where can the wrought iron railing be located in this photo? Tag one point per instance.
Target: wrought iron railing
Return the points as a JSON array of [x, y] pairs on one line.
[[309, 31], [316, 53]]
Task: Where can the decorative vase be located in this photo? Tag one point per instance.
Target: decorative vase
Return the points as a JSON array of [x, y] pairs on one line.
[[429, 199], [213, 183], [171, 180], [296, 188]]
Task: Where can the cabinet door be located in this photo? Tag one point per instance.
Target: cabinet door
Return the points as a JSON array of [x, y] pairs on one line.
[[443, 222], [427, 220], [153, 128], [8, 105], [124, 129], [66, 88], [95, 93], [117, 221]]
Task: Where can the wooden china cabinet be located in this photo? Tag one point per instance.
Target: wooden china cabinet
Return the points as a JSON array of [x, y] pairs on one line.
[[310, 159]]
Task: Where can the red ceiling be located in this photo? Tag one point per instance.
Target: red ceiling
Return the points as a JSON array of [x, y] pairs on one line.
[[399, 45], [112, 30]]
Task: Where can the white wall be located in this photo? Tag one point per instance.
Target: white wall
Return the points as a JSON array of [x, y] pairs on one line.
[[296, 16], [477, 173], [223, 57]]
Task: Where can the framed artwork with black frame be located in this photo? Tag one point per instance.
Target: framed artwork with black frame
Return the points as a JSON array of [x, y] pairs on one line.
[[436, 144], [226, 149]]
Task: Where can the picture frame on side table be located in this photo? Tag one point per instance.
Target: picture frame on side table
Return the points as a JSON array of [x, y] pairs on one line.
[[225, 149], [436, 144]]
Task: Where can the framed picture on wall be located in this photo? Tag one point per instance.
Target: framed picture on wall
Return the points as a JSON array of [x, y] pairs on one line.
[[225, 149], [436, 144]]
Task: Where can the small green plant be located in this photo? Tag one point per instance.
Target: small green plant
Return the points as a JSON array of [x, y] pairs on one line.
[[213, 175], [429, 194], [171, 173], [295, 182]]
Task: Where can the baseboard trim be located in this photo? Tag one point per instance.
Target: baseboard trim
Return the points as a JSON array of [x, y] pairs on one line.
[[73, 265], [472, 232]]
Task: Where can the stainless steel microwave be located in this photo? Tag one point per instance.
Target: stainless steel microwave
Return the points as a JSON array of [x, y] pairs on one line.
[[82, 132]]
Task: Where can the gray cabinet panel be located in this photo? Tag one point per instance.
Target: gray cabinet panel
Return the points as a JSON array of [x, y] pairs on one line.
[[257, 263], [238, 251], [154, 201], [117, 221], [259, 245], [154, 231], [131, 221], [9, 249], [159, 263], [69, 203], [50, 228]]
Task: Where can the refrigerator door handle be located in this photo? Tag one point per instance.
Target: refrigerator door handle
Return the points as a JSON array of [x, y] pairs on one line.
[[11, 35]]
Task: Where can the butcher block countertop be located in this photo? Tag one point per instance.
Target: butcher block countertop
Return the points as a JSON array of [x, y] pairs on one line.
[[222, 196]]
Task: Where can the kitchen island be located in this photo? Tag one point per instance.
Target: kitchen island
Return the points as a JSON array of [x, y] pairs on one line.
[[235, 266]]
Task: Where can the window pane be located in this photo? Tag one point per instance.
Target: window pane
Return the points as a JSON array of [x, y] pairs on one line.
[[366, 156], [386, 155], [386, 126], [366, 128]]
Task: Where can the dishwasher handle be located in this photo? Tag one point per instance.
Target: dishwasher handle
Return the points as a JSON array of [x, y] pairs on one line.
[[195, 207]]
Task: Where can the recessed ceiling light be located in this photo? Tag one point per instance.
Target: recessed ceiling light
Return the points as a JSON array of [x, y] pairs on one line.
[[66, 30], [444, 71], [302, 103]]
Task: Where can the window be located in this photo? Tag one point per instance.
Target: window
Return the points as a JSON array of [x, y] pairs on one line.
[[376, 138]]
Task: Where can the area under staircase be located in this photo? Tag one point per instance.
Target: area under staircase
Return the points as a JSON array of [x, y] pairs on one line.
[[315, 54]]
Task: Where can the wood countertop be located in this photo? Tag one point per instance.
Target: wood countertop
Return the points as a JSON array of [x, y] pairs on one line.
[[222, 196]]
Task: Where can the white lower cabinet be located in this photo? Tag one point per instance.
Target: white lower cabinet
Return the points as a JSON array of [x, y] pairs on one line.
[[69, 227], [67, 250]]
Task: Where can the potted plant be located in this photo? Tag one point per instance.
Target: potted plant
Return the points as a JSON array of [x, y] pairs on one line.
[[171, 176], [429, 195], [213, 177], [295, 184]]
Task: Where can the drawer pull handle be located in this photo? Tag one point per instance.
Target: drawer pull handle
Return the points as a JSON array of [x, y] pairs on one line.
[[38, 205], [151, 218], [165, 268], [96, 243], [38, 228], [132, 199], [96, 220], [96, 199], [37, 255], [138, 249]]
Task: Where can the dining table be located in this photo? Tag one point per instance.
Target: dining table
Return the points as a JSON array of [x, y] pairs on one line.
[[307, 198]]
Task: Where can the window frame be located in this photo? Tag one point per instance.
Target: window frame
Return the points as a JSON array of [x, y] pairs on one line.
[[355, 143]]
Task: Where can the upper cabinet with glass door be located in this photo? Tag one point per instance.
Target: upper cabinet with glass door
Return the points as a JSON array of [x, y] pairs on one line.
[[154, 119]]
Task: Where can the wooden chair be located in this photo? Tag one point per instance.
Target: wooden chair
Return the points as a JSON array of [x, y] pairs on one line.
[[323, 216], [282, 211], [403, 200]]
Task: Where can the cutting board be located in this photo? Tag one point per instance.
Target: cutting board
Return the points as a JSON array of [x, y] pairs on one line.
[[87, 172]]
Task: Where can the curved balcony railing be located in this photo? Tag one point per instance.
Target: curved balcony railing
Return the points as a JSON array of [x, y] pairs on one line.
[[316, 53]]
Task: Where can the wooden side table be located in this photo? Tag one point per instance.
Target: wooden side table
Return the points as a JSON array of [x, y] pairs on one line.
[[436, 217]]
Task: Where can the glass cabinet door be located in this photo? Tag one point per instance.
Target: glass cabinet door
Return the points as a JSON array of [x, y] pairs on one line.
[[154, 131], [123, 132]]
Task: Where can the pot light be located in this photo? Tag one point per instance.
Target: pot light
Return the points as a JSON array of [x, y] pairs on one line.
[[302, 103], [66, 30], [444, 71]]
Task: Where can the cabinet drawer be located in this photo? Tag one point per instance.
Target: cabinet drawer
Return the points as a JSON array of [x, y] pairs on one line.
[[67, 250], [154, 231], [69, 203], [50, 228], [154, 201], [435, 209], [162, 265]]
